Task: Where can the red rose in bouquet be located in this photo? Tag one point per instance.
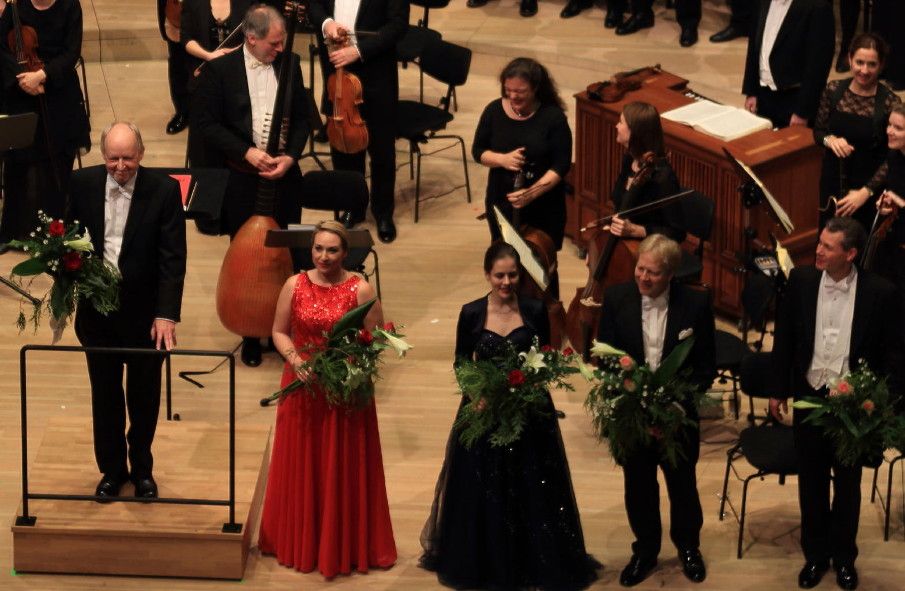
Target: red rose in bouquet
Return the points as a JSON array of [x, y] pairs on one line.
[[72, 261], [56, 228], [516, 377], [365, 337]]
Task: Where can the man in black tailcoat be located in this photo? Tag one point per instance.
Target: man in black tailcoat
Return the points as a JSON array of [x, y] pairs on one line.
[[832, 315], [136, 222], [647, 319], [372, 57]]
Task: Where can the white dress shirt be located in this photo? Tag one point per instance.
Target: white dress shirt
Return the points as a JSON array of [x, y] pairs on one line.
[[776, 14], [345, 13], [117, 199], [653, 327], [262, 90], [833, 329]]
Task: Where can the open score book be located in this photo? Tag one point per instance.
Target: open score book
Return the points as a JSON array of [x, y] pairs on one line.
[[721, 121]]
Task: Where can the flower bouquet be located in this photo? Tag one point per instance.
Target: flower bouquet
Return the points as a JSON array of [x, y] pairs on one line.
[[857, 415], [79, 275], [633, 406], [505, 391], [345, 368]]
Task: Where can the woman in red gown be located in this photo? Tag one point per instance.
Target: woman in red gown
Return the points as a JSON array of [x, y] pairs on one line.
[[326, 503]]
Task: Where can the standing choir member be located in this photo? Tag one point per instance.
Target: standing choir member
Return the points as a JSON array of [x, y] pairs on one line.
[[831, 316], [645, 318], [851, 125]]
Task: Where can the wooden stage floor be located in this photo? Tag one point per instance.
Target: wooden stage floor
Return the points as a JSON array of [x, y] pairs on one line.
[[427, 274]]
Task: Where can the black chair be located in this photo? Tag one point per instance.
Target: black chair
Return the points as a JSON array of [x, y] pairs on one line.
[[885, 502], [768, 447], [757, 295], [697, 213], [419, 123], [417, 37]]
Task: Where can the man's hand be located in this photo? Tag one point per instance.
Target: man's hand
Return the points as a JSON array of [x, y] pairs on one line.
[[260, 159], [32, 82], [344, 56], [751, 104], [334, 32], [777, 407], [796, 120], [849, 204], [281, 165], [163, 331]]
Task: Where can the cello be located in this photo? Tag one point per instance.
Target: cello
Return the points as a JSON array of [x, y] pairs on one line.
[[346, 130], [252, 274]]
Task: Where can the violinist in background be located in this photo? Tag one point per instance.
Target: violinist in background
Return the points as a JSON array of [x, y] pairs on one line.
[[372, 58], [35, 178], [525, 140], [851, 125], [168, 21], [646, 176], [891, 252], [234, 100], [205, 25]]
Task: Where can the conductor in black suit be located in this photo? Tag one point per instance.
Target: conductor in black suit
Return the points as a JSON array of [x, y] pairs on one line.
[[832, 315], [233, 103], [790, 51], [136, 222], [371, 57], [647, 319]]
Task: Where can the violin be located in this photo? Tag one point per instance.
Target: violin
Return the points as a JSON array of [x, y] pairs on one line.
[[346, 130], [612, 90], [23, 42], [877, 235]]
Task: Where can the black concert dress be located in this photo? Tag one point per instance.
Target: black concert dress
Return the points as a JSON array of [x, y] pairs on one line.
[[506, 517]]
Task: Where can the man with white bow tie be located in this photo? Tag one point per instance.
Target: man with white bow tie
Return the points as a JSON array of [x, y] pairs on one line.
[[647, 319], [832, 315]]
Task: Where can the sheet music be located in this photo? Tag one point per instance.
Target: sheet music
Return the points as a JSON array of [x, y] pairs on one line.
[[721, 121], [532, 266], [781, 214]]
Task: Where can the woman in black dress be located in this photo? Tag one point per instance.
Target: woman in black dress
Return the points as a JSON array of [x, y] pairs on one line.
[[36, 178], [524, 137], [891, 252], [645, 176], [851, 125], [506, 517]]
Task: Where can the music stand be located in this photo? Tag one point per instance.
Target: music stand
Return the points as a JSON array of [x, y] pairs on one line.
[[202, 191], [16, 132]]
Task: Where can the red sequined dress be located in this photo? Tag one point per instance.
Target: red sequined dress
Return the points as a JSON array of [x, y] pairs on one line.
[[326, 503]]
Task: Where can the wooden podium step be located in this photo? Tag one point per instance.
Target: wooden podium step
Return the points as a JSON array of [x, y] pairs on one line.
[[150, 539]]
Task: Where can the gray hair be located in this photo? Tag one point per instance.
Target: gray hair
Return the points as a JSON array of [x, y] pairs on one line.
[[259, 18], [853, 234], [665, 249], [139, 142]]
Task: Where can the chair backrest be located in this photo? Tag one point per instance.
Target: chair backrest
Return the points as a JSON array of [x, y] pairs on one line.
[[755, 373], [697, 211], [757, 293], [447, 62]]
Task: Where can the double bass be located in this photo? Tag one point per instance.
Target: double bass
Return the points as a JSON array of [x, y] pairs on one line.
[[252, 274]]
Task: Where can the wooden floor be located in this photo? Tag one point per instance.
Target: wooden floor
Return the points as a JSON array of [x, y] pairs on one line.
[[427, 274]]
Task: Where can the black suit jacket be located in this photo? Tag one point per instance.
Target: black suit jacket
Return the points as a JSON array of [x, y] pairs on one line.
[[152, 258], [473, 317], [802, 55], [221, 111], [389, 19], [620, 326], [875, 331]]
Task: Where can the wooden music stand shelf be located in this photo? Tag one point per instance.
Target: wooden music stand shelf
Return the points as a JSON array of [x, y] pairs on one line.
[[787, 160]]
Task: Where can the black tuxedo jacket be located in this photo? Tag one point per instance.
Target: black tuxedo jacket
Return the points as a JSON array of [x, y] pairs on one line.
[[153, 253], [875, 331], [221, 111], [389, 19], [620, 326], [473, 317], [802, 55]]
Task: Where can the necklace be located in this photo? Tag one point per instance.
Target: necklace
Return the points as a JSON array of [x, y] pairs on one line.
[[519, 114]]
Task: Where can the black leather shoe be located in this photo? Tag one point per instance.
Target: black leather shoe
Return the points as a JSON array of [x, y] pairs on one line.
[[574, 8], [251, 351], [847, 576], [693, 565], [146, 488], [810, 575], [635, 24], [528, 8], [346, 220], [386, 230], [613, 19], [636, 570], [475, 3], [177, 124], [727, 34], [108, 487], [842, 65], [688, 37]]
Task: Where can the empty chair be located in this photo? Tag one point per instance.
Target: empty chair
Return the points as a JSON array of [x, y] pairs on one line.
[[697, 211]]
